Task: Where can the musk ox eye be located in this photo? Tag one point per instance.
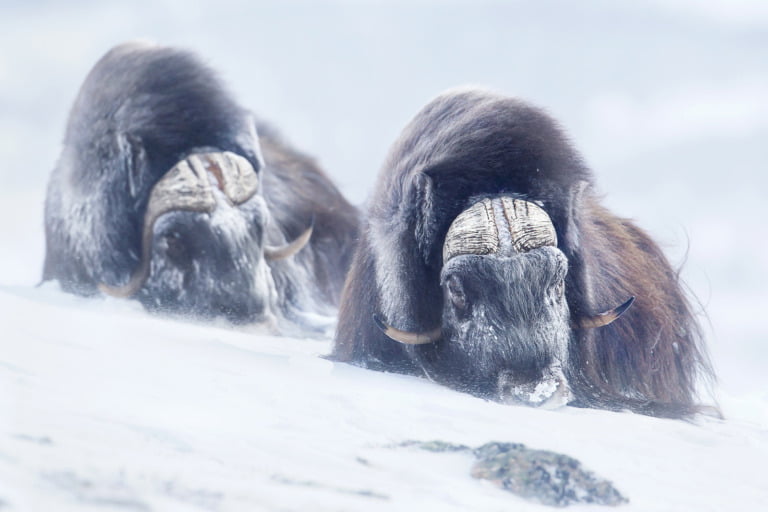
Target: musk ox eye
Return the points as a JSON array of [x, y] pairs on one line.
[[176, 250]]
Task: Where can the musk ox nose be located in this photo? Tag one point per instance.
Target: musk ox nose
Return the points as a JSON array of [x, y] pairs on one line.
[[550, 389]]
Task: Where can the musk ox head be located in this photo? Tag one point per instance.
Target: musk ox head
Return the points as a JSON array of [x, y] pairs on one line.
[[202, 245], [505, 321], [159, 195]]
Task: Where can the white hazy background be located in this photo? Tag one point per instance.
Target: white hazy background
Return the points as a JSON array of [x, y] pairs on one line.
[[667, 100]]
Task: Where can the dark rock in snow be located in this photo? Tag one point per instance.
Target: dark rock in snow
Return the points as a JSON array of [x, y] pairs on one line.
[[543, 476], [540, 475]]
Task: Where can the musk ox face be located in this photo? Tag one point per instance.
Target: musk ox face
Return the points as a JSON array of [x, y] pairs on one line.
[[506, 318], [199, 268], [202, 237]]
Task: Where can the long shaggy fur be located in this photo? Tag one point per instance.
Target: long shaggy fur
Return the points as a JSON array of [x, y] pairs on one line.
[[469, 144]]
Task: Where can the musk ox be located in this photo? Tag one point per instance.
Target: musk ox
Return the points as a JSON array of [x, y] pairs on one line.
[[487, 263], [169, 192]]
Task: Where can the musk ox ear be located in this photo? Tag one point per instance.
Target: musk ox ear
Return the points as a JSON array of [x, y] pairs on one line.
[[426, 221], [569, 233], [134, 163], [252, 145]]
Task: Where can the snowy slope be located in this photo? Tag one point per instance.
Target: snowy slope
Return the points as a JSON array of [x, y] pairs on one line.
[[113, 409], [104, 407]]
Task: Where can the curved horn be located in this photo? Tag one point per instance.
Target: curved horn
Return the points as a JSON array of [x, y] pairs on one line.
[[603, 319], [184, 187], [140, 275], [280, 252], [499, 225], [408, 338]]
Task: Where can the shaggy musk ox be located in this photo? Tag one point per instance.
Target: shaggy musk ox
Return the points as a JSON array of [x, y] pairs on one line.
[[164, 192], [488, 264]]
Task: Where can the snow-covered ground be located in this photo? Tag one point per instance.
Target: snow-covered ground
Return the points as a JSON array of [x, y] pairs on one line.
[[104, 407], [112, 409]]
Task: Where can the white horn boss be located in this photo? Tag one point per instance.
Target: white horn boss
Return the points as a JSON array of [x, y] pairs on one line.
[[501, 225]]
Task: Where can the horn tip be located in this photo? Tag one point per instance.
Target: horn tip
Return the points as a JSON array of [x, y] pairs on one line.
[[380, 323], [115, 291], [279, 253], [621, 309]]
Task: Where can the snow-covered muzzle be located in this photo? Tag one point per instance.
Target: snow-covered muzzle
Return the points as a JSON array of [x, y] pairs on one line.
[[506, 325], [202, 244]]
